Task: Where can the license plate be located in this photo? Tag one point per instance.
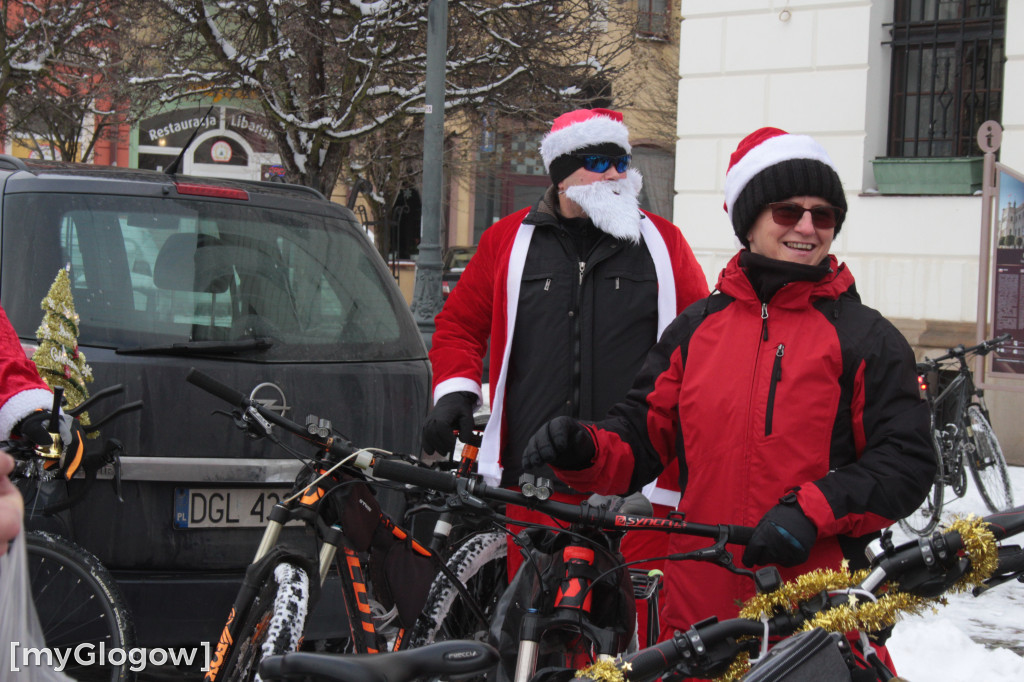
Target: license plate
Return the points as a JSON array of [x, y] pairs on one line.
[[224, 507]]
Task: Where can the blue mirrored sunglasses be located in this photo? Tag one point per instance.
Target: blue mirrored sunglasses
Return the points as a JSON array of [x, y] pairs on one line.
[[599, 163]]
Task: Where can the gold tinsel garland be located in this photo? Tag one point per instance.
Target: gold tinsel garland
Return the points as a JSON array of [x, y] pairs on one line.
[[860, 614], [864, 614], [604, 671]]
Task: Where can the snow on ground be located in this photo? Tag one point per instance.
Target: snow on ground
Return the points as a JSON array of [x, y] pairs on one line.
[[971, 638]]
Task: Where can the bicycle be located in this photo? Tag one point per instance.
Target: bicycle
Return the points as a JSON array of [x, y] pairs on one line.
[[962, 436], [573, 592], [910, 575], [383, 571], [78, 603]]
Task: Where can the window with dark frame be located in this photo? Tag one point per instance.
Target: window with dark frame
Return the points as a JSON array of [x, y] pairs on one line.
[[652, 18], [947, 75]]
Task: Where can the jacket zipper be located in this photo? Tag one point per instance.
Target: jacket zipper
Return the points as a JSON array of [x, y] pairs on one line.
[[764, 321], [577, 345], [776, 378]]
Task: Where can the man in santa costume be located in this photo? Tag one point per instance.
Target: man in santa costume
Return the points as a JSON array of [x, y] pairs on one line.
[[571, 294]]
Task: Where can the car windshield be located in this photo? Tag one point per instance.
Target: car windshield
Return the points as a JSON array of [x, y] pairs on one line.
[[152, 273]]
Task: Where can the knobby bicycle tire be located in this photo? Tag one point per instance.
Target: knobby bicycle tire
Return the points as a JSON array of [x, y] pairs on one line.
[[479, 563], [79, 607], [987, 464], [273, 625], [925, 518]]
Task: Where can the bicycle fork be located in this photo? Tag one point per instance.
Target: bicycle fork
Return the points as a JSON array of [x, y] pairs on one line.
[[572, 607]]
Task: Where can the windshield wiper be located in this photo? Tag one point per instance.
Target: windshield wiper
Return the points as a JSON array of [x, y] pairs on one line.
[[201, 347]]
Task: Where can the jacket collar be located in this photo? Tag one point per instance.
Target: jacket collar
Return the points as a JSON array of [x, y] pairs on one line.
[[734, 282]]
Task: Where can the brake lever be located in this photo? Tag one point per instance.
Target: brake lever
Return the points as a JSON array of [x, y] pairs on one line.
[[239, 420], [715, 554], [94, 398], [989, 583], [127, 407]]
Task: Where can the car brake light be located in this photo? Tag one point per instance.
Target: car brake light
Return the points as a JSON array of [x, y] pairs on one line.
[[211, 191]]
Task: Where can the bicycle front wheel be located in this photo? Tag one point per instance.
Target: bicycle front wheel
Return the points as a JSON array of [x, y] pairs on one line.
[[479, 563], [987, 464], [273, 624], [925, 518], [80, 608]]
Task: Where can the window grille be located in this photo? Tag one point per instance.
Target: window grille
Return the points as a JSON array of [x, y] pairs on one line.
[[947, 75], [652, 18]]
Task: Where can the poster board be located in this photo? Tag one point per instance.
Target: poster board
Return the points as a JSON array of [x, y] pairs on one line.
[[1007, 299]]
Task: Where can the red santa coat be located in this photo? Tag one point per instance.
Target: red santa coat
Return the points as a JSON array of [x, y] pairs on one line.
[[21, 389], [494, 277]]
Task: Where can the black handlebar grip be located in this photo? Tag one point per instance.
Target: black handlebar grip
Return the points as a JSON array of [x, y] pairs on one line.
[[396, 470], [1007, 523], [654, 661], [211, 385], [740, 535], [1011, 560]]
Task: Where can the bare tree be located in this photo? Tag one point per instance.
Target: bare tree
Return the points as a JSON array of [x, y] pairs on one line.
[[52, 51], [342, 81]]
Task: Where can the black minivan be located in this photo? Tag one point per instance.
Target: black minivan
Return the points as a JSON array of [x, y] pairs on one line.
[[269, 288]]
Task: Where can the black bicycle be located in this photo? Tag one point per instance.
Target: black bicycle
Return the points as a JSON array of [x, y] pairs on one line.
[[962, 435], [384, 573], [79, 605], [573, 597]]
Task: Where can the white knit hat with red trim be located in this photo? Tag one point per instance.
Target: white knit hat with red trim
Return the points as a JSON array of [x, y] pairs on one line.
[[582, 128], [772, 165]]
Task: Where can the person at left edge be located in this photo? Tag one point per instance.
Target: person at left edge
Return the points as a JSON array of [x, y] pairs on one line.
[[25, 403]]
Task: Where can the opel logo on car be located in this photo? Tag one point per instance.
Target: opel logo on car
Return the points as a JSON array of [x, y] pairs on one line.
[[271, 397]]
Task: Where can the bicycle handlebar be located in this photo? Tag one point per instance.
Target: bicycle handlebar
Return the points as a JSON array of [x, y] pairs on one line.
[[707, 646], [337, 446], [960, 352], [596, 516]]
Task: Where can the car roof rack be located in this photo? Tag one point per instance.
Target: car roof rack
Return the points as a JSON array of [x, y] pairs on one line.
[[12, 162]]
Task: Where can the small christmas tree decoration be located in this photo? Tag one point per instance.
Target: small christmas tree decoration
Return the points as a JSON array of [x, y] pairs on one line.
[[58, 359]]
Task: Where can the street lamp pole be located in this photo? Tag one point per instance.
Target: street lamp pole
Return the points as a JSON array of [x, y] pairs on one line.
[[426, 299]]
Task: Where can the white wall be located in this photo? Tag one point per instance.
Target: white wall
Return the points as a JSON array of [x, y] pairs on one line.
[[823, 71]]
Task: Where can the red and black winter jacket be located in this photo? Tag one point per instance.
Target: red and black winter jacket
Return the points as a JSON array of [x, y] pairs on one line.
[[812, 390]]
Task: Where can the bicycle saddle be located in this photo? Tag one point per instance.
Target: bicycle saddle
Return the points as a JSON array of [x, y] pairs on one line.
[[455, 657]]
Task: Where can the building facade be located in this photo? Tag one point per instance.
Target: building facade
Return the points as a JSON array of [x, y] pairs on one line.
[[881, 84]]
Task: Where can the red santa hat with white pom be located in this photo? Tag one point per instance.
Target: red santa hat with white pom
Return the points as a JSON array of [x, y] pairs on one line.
[[579, 132], [772, 165]]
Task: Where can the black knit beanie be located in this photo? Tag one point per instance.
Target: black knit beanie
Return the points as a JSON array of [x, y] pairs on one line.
[[771, 165]]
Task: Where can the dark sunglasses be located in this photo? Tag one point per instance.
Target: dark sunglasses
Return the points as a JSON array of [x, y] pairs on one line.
[[788, 214], [599, 163]]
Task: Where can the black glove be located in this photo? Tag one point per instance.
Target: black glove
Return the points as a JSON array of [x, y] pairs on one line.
[[34, 428], [452, 412], [563, 442], [783, 536]]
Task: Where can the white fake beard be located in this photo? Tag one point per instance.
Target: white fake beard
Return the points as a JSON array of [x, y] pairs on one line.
[[613, 205]]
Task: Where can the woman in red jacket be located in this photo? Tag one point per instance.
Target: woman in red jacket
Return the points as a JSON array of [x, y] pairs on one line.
[[789, 405]]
